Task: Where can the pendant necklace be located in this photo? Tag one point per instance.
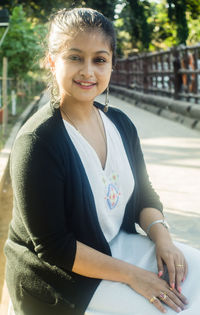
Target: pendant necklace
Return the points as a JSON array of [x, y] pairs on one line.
[[75, 126]]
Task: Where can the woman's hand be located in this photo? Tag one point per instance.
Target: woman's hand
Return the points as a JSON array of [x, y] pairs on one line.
[[156, 290], [167, 253]]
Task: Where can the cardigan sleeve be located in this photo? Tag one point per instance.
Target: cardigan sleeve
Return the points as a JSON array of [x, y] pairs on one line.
[[38, 185]]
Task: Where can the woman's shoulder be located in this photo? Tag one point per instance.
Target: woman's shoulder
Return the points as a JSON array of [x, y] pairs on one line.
[[43, 124], [38, 119]]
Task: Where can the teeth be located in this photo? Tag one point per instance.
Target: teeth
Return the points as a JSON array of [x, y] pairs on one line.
[[85, 84]]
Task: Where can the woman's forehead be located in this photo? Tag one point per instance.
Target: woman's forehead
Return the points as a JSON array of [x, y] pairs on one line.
[[84, 41]]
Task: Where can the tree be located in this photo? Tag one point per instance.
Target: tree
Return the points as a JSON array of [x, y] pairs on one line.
[[107, 7], [21, 45], [41, 9], [164, 33], [38, 9], [135, 15], [193, 6], [157, 25], [177, 14], [194, 34]]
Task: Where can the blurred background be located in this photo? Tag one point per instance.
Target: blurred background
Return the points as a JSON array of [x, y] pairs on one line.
[[158, 54], [141, 26]]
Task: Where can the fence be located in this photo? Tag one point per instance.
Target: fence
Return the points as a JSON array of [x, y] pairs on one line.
[[174, 73]]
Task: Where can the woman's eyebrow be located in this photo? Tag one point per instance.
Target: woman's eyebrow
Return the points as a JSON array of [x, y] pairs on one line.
[[96, 52]]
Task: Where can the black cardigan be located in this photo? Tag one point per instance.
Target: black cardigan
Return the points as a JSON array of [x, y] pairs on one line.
[[54, 207]]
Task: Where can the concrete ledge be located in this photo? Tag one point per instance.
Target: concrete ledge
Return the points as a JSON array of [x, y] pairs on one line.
[[5, 152], [183, 112]]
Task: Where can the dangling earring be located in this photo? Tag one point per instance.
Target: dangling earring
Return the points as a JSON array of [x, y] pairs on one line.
[[106, 101]]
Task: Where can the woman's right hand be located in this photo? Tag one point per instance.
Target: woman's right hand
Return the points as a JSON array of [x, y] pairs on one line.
[[156, 290]]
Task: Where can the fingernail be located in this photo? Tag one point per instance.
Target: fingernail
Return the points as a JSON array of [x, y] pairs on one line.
[[160, 273], [183, 279], [179, 309], [179, 289], [164, 311], [173, 285]]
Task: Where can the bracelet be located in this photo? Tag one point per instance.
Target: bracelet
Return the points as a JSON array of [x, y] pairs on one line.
[[163, 222]]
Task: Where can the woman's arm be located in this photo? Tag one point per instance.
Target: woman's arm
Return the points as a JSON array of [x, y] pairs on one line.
[[166, 251], [157, 232], [94, 264], [38, 185], [149, 210], [91, 263]]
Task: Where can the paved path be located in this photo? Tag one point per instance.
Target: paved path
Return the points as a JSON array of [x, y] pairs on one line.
[[172, 154]]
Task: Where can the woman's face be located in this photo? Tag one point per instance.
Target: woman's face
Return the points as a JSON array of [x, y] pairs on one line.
[[83, 68]]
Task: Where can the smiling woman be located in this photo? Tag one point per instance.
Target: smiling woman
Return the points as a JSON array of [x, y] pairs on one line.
[[82, 67], [80, 185]]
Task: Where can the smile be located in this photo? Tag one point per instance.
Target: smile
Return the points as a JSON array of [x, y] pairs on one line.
[[85, 84]]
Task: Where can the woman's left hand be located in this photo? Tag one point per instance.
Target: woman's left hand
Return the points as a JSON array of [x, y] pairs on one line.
[[167, 253]]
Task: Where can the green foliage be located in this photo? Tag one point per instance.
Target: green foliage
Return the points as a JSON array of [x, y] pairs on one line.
[[41, 9], [194, 34], [154, 24], [107, 7], [177, 14], [22, 44], [193, 6], [163, 34], [184, 15], [38, 9], [135, 15], [124, 46]]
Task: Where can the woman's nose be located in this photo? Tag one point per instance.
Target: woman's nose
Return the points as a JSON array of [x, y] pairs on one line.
[[87, 70]]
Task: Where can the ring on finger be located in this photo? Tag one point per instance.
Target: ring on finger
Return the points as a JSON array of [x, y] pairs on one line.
[[179, 265], [153, 299], [162, 296]]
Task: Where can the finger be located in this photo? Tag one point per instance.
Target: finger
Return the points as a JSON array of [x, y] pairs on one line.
[[171, 271], [160, 266], [185, 270], [159, 305], [179, 275], [168, 301], [180, 296], [176, 299]]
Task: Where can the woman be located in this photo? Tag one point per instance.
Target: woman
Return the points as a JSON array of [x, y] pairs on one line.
[[80, 185]]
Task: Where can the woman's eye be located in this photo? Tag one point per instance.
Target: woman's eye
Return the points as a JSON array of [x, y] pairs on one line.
[[74, 58], [100, 60]]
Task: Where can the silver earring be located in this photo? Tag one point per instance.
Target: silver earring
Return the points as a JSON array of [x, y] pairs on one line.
[[106, 101]]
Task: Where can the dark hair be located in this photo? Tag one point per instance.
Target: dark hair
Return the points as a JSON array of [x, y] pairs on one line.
[[66, 23]]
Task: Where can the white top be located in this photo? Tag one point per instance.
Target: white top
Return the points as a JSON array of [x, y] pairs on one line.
[[111, 186]]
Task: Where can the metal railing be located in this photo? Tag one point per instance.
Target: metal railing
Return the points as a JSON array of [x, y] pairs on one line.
[[174, 73]]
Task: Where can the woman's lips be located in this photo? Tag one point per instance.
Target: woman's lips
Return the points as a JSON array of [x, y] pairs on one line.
[[85, 84]]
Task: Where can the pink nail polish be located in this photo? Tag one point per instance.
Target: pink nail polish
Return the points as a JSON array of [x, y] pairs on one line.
[[183, 279], [160, 273], [173, 286], [179, 289]]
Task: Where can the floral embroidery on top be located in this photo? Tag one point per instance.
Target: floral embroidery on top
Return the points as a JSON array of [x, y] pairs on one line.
[[111, 190]]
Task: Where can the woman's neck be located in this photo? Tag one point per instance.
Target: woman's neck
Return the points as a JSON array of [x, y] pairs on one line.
[[78, 111]]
